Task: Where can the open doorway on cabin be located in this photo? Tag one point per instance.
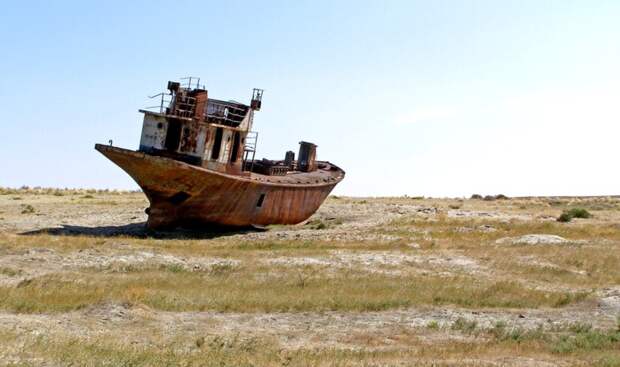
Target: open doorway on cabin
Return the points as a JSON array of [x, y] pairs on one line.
[[235, 148], [173, 135], [217, 143]]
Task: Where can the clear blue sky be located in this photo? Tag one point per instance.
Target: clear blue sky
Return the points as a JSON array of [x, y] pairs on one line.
[[441, 98]]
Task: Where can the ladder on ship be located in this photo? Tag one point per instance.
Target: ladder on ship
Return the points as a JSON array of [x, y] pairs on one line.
[[249, 147]]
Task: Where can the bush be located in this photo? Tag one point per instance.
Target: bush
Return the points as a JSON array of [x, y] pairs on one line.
[[476, 197], [568, 215], [27, 209], [564, 217], [495, 197], [579, 213]]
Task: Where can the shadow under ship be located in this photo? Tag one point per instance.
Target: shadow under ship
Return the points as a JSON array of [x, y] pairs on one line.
[[196, 164]]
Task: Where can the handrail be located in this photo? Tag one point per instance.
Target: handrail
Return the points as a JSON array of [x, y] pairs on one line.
[[161, 103], [249, 146], [189, 82]]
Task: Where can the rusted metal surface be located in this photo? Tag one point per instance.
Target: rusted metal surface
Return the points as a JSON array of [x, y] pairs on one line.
[[196, 165], [307, 156], [289, 160], [181, 193]]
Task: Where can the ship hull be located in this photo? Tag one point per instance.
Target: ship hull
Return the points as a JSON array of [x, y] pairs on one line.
[[181, 194]]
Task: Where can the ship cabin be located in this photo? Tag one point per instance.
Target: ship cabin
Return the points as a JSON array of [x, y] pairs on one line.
[[189, 126]]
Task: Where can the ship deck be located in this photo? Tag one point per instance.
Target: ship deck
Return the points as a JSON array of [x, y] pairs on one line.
[[326, 173]]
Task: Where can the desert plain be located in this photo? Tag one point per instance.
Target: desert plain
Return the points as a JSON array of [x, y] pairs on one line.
[[394, 281]]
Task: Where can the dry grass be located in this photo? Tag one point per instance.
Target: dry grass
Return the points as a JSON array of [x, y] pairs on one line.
[[590, 348], [269, 289], [592, 260], [495, 278]]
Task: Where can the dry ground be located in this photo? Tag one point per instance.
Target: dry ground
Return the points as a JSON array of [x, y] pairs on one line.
[[367, 281]]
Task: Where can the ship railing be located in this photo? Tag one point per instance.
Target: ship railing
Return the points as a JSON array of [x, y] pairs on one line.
[[164, 102], [227, 113], [191, 82], [183, 107], [249, 148]]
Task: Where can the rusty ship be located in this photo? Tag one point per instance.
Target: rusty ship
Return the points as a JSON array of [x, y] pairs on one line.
[[196, 165]]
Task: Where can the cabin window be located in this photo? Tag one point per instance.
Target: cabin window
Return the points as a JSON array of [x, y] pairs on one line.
[[260, 200], [217, 143], [235, 148]]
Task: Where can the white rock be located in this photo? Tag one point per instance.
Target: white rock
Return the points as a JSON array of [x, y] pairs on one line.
[[533, 239]]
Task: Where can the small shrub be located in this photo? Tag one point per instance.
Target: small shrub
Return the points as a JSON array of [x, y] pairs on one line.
[[476, 197], [223, 268], [88, 196], [433, 325], [9, 272], [564, 218], [464, 325], [27, 209], [499, 329], [490, 197], [317, 224], [579, 328], [324, 224], [569, 214], [200, 342], [579, 213], [174, 268], [303, 276]]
